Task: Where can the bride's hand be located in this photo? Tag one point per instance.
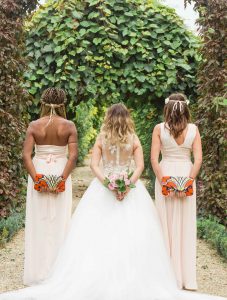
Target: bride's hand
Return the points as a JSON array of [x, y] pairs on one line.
[[121, 196]]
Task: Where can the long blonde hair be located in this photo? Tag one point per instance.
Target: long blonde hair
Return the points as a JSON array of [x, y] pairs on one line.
[[176, 114], [53, 102], [118, 124]]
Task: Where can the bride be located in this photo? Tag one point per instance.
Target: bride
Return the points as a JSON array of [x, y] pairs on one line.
[[115, 248]]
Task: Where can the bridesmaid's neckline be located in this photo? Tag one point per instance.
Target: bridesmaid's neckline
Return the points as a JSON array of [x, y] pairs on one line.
[[186, 135]]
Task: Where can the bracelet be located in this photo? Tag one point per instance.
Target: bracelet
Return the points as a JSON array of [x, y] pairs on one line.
[[63, 178]]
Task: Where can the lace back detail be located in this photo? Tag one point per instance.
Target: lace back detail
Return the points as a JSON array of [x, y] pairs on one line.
[[117, 157]]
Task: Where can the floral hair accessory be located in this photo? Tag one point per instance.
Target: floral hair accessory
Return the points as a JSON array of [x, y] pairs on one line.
[[166, 100]]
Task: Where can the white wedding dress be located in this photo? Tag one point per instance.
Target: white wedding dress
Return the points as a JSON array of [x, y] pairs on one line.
[[114, 250]]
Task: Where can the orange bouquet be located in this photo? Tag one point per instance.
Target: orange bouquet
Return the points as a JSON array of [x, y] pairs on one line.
[[177, 184], [53, 183]]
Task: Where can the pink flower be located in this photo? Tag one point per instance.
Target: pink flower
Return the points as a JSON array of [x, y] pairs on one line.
[[127, 182], [110, 186], [112, 177]]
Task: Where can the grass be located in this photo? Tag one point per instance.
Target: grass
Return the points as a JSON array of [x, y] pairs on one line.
[[213, 232]]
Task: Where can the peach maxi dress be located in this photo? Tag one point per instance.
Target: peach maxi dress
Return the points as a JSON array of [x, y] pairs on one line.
[[178, 216], [47, 215]]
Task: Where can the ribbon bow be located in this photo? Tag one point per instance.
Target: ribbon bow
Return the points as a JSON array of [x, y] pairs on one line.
[[175, 105]]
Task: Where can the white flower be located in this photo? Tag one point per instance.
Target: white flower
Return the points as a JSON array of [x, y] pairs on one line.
[[166, 100], [187, 102]]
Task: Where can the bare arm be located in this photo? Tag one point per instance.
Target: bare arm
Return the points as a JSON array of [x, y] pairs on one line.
[[95, 160], [139, 161], [27, 152], [155, 151], [73, 151], [197, 153]]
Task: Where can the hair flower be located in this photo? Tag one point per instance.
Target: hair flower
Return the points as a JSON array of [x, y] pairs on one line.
[[166, 100], [187, 102]]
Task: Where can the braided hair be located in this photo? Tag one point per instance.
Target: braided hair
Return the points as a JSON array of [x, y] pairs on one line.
[[53, 102]]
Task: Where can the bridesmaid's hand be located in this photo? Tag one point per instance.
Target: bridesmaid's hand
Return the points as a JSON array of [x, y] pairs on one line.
[[180, 195], [44, 190], [172, 194]]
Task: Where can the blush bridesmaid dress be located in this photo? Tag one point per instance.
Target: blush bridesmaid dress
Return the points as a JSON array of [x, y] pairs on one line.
[[178, 216], [47, 215]]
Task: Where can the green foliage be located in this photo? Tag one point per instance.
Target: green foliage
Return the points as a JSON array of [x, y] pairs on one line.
[[10, 225], [110, 51], [214, 232], [146, 117], [13, 102], [86, 113], [211, 111]]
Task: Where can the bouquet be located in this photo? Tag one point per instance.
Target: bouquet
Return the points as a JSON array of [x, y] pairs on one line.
[[53, 183], [119, 182], [177, 184]]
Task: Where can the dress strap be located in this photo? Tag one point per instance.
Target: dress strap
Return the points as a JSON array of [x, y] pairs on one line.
[[162, 129], [191, 134]]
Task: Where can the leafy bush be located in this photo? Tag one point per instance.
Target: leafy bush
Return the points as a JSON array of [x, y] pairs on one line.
[[214, 232], [146, 117], [110, 51], [13, 102], [10, 225], [85, 117]]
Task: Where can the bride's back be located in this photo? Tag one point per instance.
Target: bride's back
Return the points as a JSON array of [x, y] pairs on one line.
[[117, 157]]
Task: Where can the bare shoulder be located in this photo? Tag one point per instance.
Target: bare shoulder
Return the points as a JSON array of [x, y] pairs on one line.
[[68, 123], [32, 126], [194, 126], [137, 142], [157, 129]]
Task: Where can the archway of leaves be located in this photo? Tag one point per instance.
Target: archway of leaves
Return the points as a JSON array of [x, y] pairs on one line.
[[103, 52]]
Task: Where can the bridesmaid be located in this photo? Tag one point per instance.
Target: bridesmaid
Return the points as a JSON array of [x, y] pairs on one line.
[[176, 138], [48, 214]]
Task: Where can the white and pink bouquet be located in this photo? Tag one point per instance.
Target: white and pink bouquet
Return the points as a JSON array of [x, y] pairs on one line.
[[119, 182]]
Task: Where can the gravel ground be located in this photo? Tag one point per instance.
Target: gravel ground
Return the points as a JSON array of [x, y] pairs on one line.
[[211, 268]]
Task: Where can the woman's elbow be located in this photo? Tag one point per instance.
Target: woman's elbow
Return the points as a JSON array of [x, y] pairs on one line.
[[26, 157], [141, 167], [199, 161], [92, 166], [73, 157]]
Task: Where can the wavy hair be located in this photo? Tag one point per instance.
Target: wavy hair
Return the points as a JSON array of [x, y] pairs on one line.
[[118, 124], [176, 114]]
